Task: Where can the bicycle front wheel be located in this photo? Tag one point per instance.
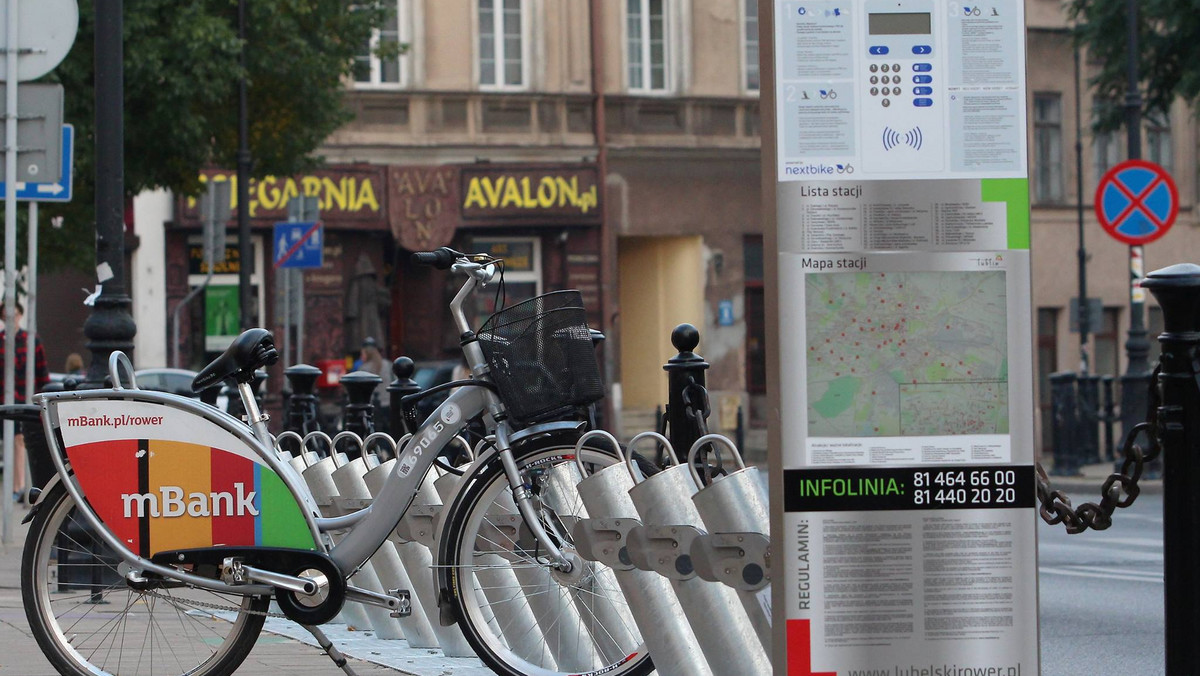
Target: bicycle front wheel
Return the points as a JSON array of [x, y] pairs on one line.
[[89, 621], [523, 617]]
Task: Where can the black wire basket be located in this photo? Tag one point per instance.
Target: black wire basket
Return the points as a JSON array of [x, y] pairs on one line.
[[542, 357]]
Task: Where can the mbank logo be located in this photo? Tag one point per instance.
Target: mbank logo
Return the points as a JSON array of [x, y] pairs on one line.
[[170, 502]]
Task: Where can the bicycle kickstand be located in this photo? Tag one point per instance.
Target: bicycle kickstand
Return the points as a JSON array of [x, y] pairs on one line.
[[330, 649]]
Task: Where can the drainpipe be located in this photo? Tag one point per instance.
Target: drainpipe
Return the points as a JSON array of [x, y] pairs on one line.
[[608, 305]]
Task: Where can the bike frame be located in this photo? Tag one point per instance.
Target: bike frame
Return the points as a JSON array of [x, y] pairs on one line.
[[366, 529]]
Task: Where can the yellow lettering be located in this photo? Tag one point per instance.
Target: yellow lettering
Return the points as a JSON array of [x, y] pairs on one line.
[[545, 192], [423, 182], [268, 193], [568, 192], [439, 183], [289, 191], [334, 193], [474, 195], [527, 202], [408, 210], [424, 231], [366, 196], [492, 190], [432, 208], [311, 185], [405, 184], [512, 194]]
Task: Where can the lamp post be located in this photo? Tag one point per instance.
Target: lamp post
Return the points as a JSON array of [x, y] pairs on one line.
[[245, 250], [1134, 382], [110, 325]]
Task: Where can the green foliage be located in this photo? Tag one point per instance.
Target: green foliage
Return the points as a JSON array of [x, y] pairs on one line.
[[181, 76], [1168, 49]]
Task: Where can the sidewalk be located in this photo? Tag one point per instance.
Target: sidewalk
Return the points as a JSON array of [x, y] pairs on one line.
[[273, 655]]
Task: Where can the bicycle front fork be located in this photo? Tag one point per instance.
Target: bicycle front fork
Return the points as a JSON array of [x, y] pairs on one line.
[[524, 499]]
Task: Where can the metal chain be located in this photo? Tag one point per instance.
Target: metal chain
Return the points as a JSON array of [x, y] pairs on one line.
[[204, 604], [1120, 489]]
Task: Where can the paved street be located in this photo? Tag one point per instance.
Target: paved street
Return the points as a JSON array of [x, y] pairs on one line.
[[1102, 594]]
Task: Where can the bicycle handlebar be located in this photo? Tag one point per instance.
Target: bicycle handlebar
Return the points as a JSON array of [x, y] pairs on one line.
[[441, 259]]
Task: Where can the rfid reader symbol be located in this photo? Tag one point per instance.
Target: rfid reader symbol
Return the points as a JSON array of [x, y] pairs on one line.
[[912, 138]]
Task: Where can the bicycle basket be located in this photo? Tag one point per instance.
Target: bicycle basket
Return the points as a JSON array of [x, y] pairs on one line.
[[541, 355]]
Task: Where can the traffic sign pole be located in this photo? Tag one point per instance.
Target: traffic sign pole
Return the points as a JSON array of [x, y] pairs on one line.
[[10, 266]]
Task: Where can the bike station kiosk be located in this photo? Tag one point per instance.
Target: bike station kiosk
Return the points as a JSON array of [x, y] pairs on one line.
[[903, 482]]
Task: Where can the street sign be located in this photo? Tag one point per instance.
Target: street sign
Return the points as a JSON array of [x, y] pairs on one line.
[[57, 191], [39, 131], [1136, 202], [298, 245], [46, 30]]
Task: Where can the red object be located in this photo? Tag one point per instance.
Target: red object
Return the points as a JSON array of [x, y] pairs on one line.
[[1136, 202], [332, 371], [799, 650]]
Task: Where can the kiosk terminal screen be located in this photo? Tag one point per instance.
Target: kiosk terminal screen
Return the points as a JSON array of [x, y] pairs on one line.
[[899, 23]]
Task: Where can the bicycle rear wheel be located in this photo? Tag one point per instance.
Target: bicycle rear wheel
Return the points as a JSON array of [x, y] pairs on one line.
[[522, 617], [88, 621]]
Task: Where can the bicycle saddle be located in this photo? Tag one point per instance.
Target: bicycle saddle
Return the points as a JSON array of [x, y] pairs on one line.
[[250, 351]]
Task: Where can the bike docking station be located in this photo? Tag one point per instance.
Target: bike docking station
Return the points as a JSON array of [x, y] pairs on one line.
[[900, 423]]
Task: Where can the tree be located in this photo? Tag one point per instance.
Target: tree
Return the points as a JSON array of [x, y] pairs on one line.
[[1168, 48], [181, 76]]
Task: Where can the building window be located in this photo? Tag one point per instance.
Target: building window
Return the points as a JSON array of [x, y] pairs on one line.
[[1107, 343], [1047, 363], [646, 46], [1047, 142], [1158, 140], [502, 44], [372, 70], [751, 40], [522, 272], [1106, 146]]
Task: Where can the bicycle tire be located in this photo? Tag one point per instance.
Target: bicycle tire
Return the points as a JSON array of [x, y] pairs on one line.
[[472, 573], [101, 625]]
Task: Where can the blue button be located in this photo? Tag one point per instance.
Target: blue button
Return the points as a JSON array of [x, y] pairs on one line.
[[878, 50], [922, 91], [922, 49], [922, 103], [922, 67], [922, 79]]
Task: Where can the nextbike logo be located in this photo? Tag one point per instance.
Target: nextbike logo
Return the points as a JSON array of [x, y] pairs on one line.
[[810, 169], [170, 502]]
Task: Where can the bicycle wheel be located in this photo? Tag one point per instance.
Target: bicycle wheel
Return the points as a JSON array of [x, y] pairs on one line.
[[88, 621], [522, 617]]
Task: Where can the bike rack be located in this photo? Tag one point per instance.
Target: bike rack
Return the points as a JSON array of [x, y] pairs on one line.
[[386, 571], [736, 549], [663, 501], [652, 602], [417, 560]]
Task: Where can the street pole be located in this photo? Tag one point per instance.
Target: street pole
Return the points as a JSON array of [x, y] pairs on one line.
[[110, 325], [1134, 382], [10, 260], [245, 250], [1081, 253]]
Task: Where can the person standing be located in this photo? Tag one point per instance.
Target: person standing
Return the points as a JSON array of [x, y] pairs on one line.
[[41, 378], [372, 360]]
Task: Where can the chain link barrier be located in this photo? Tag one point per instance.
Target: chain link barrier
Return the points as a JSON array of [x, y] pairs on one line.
[[1120, 489]]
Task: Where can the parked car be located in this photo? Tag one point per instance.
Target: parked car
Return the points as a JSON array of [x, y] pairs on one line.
[[175, 381], [428, 374]]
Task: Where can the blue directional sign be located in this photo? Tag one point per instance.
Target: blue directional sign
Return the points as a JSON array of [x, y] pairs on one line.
[[58, 191], [298, 245], [1136, 202]]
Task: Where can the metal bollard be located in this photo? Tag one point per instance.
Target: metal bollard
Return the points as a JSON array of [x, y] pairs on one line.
[[715, 612], [399, 388], [1177, 289], [652, 602], [389, 571], [1109, 418], [300, 414], [737, 517], [1088, 441], [358, 416], [685, 382], [1063, 421]]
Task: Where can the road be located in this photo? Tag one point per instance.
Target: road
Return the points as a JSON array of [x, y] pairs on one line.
[[1102, 595]]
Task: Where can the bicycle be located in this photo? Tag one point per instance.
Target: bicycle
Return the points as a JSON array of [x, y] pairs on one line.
[[202, 522]]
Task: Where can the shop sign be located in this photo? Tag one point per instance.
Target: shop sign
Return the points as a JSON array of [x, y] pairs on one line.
[[541, 193], [355, 194], [230, 266], [423, 205]]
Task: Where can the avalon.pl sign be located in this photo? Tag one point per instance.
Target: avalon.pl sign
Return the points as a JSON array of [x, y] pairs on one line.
[[514, 193]]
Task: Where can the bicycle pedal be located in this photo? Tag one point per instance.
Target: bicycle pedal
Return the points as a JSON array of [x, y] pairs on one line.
[[404, 606]]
